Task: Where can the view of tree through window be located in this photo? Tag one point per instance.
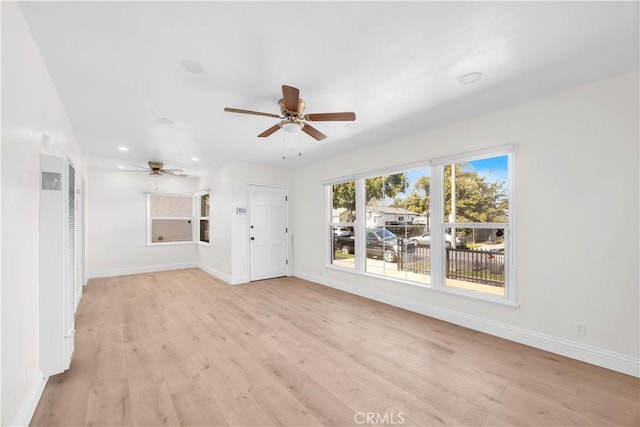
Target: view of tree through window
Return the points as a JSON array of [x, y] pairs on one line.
[[476, 207]]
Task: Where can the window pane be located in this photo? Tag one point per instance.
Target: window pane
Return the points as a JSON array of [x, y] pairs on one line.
[[343, 246], [397, 211], [204, 205], [481, 192], [476, 192], [171, 206], [343, 209], [204, 230], [341, 229], [480, 264], [171, 230]]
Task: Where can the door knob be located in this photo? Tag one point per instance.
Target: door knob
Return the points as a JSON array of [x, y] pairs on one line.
[[253, 238]]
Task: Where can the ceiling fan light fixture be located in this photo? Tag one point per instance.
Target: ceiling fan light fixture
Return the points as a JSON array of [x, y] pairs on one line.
[[291, 127]]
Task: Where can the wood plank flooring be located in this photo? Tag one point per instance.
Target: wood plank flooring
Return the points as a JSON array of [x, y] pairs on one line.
[[182, 348]]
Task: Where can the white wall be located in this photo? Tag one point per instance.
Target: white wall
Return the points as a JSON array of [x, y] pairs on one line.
[[227, 257], [577, 221], [117, 222], [30, 107], [117, 226]]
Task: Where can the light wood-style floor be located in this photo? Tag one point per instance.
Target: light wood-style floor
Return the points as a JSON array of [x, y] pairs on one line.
[[181, 348]]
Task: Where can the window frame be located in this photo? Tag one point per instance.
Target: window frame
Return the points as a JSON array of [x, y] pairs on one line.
[[438, 225], [198, 209], [149, 219]]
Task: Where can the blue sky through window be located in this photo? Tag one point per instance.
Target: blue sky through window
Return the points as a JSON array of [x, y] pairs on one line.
[[494, 169]]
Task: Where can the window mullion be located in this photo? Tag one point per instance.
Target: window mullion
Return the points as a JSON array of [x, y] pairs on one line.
[[437, 227], [360, 226]]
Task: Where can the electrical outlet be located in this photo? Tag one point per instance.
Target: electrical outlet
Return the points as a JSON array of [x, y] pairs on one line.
[[580, 328]]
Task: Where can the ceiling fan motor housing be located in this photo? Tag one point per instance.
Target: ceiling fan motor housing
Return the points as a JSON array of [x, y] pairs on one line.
[[156, 166], [293, 114]]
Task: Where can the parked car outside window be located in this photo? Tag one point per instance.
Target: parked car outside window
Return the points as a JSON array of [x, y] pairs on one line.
[[425, 240], [381, 243]]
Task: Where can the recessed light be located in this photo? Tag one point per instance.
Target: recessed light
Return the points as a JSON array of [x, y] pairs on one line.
[[468, 78], [122, 148], [120, 167], [195, 159], [192, 66], [165, 120]]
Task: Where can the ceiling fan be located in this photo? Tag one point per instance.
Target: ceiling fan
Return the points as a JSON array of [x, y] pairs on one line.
[[292, 116], [157, 169]]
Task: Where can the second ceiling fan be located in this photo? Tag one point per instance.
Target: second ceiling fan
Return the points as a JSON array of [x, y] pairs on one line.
[[292, 115]]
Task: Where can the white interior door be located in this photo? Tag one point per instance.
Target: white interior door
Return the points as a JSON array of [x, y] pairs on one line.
[[268, 249]]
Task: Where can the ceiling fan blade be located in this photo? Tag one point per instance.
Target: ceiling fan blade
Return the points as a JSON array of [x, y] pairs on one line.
[[175, 172], [291, 96], [255, 113], [269, 131], [130, 170], [331, 117], [313, 132], [141, 167]]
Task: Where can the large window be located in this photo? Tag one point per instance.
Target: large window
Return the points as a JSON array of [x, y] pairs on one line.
[[170, 218], [445, 224]]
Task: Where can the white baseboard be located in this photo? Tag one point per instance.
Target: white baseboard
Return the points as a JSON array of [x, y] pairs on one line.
[[222, 276], [166, 267], [604, 358], [140, 269], [30, 402]]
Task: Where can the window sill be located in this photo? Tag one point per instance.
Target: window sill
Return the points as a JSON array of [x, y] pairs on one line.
[[445, 290], [170, 243]]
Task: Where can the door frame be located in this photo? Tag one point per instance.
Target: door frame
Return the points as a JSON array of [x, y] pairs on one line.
[[248, 234]]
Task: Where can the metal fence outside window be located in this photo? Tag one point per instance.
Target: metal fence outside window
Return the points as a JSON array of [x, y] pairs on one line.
[[470, 265]]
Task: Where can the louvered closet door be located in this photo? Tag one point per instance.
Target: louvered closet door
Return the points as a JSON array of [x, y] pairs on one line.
[[56, 264], [70, 285]]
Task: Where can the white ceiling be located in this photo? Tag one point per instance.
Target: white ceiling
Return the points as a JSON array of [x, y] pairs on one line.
[[117, 67]]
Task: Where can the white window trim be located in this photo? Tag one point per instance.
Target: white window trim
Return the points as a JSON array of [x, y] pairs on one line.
[[438, 281], [196, 230]]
